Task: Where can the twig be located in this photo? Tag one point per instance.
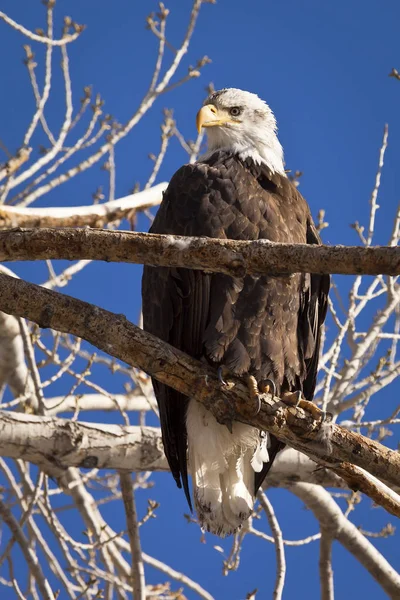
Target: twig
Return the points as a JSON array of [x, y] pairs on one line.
[[33, 370], [41, 100], [30, 557], [40, 38], [325, 565], [138, 579], [374, 195], [15, 162], [279, 547]]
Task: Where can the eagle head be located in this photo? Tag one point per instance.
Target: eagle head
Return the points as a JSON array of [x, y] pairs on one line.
[[241, 123]]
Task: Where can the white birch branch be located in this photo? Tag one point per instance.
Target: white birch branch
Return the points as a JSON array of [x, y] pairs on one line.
[[73, 216], [86, 402], [55, 444]]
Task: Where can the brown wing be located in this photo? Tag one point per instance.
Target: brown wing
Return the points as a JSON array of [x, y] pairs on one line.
[[176, 306], [312, 316]]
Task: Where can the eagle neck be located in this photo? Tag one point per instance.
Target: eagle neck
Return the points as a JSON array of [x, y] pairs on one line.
[[257, 169], [270, 160]]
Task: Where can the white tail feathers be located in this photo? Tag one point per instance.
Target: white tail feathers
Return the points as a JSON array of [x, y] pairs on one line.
[[222, 465]]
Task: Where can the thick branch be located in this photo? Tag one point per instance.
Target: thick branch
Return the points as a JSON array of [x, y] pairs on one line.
[[79, 216], [47, 442], [116, 336], [56, 444], [225, 256]]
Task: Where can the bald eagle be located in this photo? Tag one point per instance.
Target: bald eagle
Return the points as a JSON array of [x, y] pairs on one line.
[[267, 328]]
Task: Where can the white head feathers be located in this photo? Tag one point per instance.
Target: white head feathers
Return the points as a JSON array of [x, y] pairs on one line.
[[243, 124]]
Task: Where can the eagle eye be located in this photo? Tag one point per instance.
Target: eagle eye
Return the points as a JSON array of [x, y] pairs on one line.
[[235, 111]]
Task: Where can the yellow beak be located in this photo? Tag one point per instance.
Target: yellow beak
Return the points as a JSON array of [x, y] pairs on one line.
[[208, 116]]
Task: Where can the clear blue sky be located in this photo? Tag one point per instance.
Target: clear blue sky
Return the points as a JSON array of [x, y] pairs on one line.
[[323, 68]]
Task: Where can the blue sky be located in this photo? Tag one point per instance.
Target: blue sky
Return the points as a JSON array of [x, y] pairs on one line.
[[323, 68]]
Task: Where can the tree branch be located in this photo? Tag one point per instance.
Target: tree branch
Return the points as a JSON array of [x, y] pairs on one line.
[[84, 402], [66, 39], [325, 565], [128, 496], [55, 444], [279, 547], [116, 336], [29, 555], [13, 369], [79, 216], [232, 257]]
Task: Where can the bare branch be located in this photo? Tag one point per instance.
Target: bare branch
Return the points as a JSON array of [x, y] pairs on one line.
[[13, 369], [33, 370], [15, 162], [55, 444], [40, 38], [79, 216], [112, 402], [30, 557], [374, 195], [235, 258], [147, 102], [128, 496], [279, 548], [325, 565]]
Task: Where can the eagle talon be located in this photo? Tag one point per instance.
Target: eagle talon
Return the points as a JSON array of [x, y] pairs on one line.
[[292, 398], [220, 373], [254, 392], [297, 399], [258, 405], [267, 386]]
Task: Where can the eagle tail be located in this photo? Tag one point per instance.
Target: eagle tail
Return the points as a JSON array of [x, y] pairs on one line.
[[222, 465]]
